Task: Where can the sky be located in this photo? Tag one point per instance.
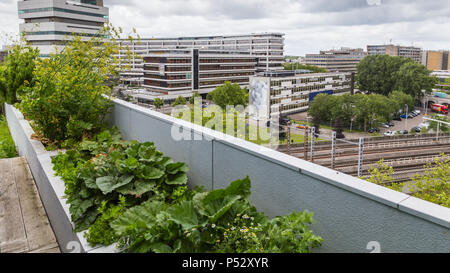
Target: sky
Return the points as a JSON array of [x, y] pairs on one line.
[[309, 25]]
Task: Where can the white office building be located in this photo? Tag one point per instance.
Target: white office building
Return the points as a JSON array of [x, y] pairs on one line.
[[276, 94], [49, 24], [267, 47]]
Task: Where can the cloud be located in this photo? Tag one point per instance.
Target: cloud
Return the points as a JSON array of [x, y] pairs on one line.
[[309, 25]]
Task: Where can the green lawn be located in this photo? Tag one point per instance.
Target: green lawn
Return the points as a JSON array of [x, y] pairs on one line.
[[7, 146]]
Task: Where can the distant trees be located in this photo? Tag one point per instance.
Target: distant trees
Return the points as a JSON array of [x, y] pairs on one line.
[[179, 101], [382, 74], [295, 66], [195, 95], [360, 110], [229, 94], [412, 78], [158, 103]]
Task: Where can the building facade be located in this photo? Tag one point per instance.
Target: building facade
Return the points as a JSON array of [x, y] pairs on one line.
[[275, 94], [436, 60], [48, 24], [414, 53], [267, 47], [343, 60], [3, 54], [182, 71]]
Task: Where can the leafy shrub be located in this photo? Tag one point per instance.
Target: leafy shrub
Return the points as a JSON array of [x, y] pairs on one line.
[[203, 224], [17, 72], [98, 172], [67, 103]]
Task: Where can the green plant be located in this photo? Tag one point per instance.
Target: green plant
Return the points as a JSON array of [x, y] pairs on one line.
[[7, 146], [434, 185], [202, 223], [17, 72], [103, 169], [67, 102], [179, 101], [229, 94], [158, 103]]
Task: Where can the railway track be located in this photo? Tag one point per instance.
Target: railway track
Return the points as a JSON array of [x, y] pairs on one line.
[[406, 156]]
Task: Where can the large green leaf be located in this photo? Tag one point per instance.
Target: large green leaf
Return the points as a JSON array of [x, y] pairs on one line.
[[138, 188], [218, 202], [108, 184], [174, 168], [143, 216], [150, 173], [78, 207], [177, 179], [186, 215], [160, 247]]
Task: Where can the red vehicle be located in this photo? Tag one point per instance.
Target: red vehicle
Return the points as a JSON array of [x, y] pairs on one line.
[[442, 109]]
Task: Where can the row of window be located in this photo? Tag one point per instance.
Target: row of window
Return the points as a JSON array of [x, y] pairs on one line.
[[63, 10]]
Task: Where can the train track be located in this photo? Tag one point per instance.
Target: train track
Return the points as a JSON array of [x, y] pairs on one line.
[[406, 156]]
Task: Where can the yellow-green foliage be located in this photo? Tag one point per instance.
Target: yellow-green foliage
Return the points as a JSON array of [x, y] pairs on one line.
[[433, 186], [67, 101]]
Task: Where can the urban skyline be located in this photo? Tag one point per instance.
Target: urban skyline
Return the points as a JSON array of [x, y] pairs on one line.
[[309, 27]]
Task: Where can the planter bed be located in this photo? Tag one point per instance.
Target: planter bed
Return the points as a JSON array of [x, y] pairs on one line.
[[51, 188]]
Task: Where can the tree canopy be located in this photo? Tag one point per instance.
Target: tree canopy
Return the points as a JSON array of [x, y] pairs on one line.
[[229, 94], [179, 101], [361, 110], [295, 66], [382, 74]]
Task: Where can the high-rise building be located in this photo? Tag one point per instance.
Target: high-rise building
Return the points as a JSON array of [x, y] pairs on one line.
[[342, 60], [275, 94], [436, 60], [267, 47], [50, 23], [414, 53], [182, 71]]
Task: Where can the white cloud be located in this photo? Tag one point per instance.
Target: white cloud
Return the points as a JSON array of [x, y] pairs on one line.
[[309, 25]]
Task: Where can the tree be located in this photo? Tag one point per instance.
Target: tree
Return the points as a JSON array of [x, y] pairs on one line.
[[412, 78], [158, 103], [377, 73], [67, 102], [299, 66], [229, 94], [179, 101], [399, 100], [17, 72], [195, 95]]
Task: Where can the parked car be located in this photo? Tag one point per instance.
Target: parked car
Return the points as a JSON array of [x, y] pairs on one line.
[[385, 125], [391, 124], [417, 129], [417, 112], [397, 118], [403, 116], [373, 130], [413, 114], [403, 132], [390, 133]]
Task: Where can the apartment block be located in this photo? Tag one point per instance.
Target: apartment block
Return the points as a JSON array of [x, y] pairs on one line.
[[342, 60], [3, 54], [267, 47], [436, 60], [275, 94], [414, 53], [49, 24], [182, 71]]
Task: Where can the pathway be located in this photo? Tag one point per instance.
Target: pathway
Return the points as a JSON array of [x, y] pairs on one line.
[[24, 226]]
